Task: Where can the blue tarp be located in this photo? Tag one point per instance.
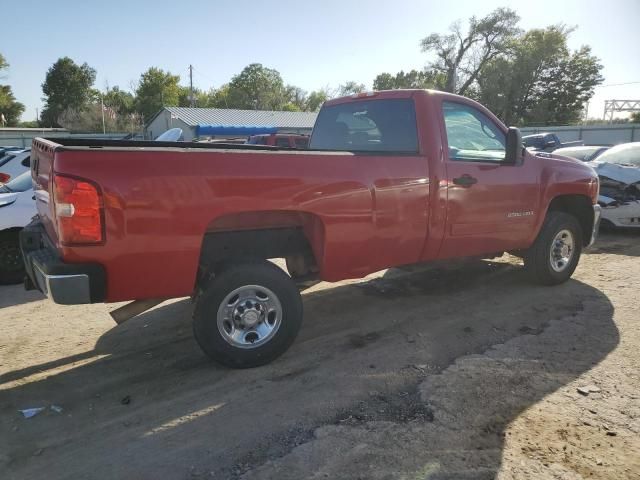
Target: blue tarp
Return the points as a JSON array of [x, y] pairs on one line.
[[205, 130]]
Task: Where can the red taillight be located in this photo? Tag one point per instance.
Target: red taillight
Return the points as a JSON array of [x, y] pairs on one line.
[[78, 207], [4, 177]]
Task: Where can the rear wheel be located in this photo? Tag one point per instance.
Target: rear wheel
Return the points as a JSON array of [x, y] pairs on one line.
[[11, 264], [248, 315], [554, 256]]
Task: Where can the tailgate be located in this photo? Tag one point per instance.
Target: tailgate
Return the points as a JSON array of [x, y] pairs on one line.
[[42, 157]]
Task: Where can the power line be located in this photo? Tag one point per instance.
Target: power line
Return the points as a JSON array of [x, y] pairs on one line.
[[619, 84], [197, 72]]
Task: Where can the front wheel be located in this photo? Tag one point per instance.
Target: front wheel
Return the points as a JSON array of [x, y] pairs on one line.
[[248, 315], [554, 255]]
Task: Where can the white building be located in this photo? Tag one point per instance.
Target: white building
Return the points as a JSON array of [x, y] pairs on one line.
[[222, 122]]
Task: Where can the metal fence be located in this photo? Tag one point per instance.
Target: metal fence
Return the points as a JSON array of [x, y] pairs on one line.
[[24, 139], [591, 134]]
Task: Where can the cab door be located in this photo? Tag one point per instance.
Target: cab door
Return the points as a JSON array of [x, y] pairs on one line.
[[490, 203]]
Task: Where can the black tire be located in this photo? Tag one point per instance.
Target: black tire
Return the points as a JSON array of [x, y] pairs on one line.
[[232, 277], [537, 259], [11, 264]]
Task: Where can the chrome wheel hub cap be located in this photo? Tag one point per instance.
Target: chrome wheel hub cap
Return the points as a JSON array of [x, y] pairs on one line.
[[249, 316], [562, 249]]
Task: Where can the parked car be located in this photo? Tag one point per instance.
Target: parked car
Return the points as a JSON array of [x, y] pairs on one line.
[[390, 178], [619, 172], [17, 207], [7, 149], [546, 142], [584, 153], [280, 140], [13, 164]]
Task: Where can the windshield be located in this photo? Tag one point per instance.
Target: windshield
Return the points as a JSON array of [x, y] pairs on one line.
[[19, 184], [627, 154], [367, 125], [171, 135], [580, 153]]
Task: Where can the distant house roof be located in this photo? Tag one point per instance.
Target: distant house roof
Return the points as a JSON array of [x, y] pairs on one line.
[[231, 117]]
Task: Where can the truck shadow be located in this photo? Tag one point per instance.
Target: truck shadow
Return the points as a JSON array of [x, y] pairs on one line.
[[363, 349], [11, 295]]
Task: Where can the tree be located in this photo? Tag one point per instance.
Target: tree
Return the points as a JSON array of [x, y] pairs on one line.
[[10, 109], [120, 101], [256, 88], [28, 124], [67, 86], [219, 98], [462, 56], [156, 89], [350, 87], [568, 87], [3, 64], [411, 79], [541, 81], [315, 99], [201, 98], [635, 117]]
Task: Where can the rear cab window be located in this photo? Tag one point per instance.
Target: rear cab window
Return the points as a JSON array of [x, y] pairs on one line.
[[385, 125]]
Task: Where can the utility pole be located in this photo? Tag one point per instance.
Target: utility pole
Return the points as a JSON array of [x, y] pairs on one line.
[[191, 98], [104, 129]]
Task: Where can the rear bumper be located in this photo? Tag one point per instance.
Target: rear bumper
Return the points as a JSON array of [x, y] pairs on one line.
[[597, 214], [64, 283]]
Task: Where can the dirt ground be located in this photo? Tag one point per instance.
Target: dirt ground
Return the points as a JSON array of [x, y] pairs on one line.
[[459, 372]]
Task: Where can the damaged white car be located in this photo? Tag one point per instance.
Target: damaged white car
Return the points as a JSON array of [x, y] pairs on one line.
[[619, 172]]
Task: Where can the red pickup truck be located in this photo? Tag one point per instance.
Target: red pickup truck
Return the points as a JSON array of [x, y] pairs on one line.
[[390, 178]]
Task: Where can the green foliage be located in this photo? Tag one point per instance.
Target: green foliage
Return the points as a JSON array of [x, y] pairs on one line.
[[635, 117], [411, 79], [121, 102], [202, 99], [156, 89], [350, 87], [291, 107], [541, 82], [3, 63], [256, 88], [460, 56], [67, 87], [9, 107], [28, 124], [315, 99]]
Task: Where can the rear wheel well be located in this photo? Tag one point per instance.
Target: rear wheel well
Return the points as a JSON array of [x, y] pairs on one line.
[[580, 207], [221, 248]]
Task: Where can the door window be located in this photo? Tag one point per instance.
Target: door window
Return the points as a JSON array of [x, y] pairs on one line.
[[471, 135]]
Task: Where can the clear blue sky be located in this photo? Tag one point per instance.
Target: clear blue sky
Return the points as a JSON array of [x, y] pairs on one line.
[[312, 44]]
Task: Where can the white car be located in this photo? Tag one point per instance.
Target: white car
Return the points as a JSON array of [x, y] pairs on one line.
[[13, 164], [619, 172], [17, 207]]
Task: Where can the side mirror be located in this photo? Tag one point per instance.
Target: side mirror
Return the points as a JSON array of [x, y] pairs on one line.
[[514, 149]]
